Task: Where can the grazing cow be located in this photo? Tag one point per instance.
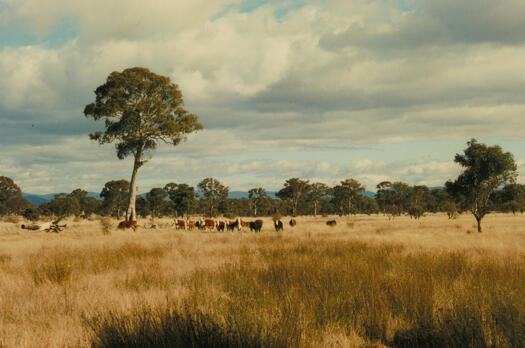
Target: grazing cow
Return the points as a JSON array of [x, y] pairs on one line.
[[209, 224], [256, 225], [245, 223], [331, 223], [278, 224], [180, 225], [220, 226], [191, 225], [292, 222], [128, 224]]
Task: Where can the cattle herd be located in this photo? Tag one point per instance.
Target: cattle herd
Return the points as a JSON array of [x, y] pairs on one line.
[[218, 224]]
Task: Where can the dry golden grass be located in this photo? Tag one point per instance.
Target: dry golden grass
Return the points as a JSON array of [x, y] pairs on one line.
[[366, 282]]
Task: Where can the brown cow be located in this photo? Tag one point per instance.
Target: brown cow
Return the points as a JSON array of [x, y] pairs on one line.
[[245, 223], [221, 225], [209, 224], [191, 225], [331, 223], [127, 224], [293, 222], [180, 224]]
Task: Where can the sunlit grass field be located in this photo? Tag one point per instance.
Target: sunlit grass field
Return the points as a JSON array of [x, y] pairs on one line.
[[368, 282]]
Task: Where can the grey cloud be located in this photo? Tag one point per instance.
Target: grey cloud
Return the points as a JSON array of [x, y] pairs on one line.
[[437, 23]]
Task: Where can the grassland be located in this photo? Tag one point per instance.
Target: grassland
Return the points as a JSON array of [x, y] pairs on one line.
[[367, 282]]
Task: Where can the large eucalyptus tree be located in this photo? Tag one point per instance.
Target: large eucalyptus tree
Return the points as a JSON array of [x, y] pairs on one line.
[[141, 109]]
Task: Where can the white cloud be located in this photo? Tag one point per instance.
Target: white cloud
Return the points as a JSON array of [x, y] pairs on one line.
[[328, 75]]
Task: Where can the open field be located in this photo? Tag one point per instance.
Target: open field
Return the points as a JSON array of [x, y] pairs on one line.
[[366, 282]]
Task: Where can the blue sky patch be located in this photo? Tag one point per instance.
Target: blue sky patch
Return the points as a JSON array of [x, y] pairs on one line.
[[15, 34], [248, 6]]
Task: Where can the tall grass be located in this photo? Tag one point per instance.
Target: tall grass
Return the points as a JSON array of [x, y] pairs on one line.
[[292, 292], [60, 264]]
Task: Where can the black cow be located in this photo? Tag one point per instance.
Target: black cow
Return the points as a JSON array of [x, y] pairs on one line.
[[278, 224], [331, 223], [256, 225]]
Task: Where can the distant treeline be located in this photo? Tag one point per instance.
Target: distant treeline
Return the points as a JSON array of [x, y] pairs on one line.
[[297, 197]]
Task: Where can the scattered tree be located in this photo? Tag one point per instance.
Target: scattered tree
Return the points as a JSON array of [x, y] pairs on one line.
[[294, 191], [140, 109], [31, 213], [115, 195], [347, 196], [214, 192], [485, 169], [257, 197], [183, 197], [317, 193], [156, 199]]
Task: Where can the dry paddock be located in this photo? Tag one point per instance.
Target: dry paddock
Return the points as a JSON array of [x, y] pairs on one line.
[[58, 290]]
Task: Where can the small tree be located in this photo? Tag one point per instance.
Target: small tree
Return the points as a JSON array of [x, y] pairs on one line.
[[257, 196], [214, 191], [317, 193], [156, 200], [64, 205], [31, 213], [347, 196], [294, 191], [485, 169], [8, 191], [114, 195], [183, 197], [140, 109]]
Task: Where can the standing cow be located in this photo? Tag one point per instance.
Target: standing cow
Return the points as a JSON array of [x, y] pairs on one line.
[[256, 225], [292, 222], [278, 224]]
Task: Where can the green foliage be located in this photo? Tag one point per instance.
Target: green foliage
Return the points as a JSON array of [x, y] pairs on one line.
[[294, 191], [16, 205], [115, 195], [183, 197], [140, 110], [214, 192], [142, 206], [8, 189], [485, 168], [88, 205], [318, 194], [347, 196], [31, 213], [156, 200], [62, 205], [257, 198]]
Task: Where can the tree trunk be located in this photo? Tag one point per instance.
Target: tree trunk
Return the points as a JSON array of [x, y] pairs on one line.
[[478, 219], [131, 214], [315, 208]]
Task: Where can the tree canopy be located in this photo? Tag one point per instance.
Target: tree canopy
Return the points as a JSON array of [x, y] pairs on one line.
[[214, 191], [140, 110], [485, 168]]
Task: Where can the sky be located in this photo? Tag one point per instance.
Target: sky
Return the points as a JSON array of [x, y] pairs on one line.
[[322, 90]]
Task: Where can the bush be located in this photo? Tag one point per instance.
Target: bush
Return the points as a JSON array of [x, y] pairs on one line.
[[32, 213]]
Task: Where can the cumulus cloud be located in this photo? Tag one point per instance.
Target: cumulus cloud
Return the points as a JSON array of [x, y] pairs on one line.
[[268, 76]]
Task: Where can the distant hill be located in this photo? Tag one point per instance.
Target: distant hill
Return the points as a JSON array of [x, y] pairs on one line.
[[35, 199], [48, 197], [369, 194], [39, 199]]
